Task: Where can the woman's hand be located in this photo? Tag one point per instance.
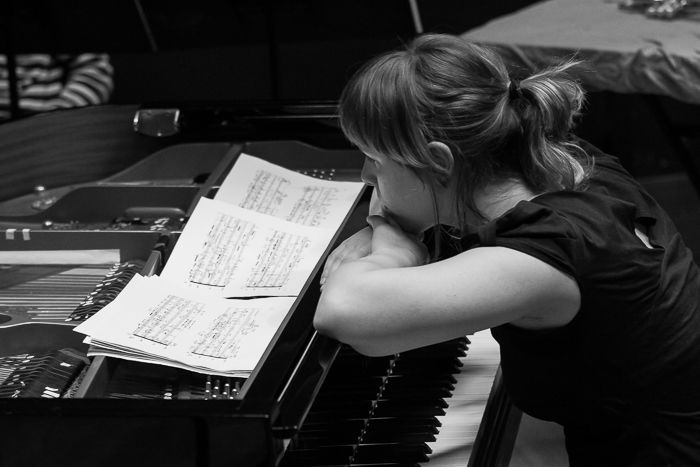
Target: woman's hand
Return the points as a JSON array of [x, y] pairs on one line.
[[395, 247], [354, 247]]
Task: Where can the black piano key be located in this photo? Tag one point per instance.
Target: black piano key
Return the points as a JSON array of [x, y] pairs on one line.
[[441, 391], [409, 367], [411, 437], [405, 400], [386, 464], [326, 456], [391, 452], [330, 435], [413, 381], [381, 408], [404, 424], [392, 408], [353, 360]]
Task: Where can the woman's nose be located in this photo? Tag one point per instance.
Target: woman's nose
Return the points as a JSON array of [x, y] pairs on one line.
[[367, 175]]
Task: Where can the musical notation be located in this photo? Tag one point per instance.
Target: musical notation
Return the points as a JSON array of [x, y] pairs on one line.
[[221, 339], [234, 252], [157, 321], [222, 251], [277, 261], [267, 188], [165, 321], [267, 194]]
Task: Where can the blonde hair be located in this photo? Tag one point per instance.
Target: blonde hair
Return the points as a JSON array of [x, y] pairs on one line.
[[442, 88]]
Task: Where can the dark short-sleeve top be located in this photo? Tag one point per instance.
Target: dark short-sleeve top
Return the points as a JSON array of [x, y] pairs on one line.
[[628, 364]]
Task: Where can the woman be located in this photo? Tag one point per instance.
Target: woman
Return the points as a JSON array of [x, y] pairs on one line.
[[581, 276]]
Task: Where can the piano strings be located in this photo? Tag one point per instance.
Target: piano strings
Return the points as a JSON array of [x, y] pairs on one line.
[[61, 293]]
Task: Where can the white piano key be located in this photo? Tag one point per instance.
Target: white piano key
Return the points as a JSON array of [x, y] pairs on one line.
[[465, 410]]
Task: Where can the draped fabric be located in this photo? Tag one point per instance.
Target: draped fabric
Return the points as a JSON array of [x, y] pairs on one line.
[[624, 51]]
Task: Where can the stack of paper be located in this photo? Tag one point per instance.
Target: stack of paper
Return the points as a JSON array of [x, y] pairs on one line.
[[259, 239]]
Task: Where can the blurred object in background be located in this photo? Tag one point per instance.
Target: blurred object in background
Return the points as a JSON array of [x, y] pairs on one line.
[[34, 83], [663, 9]]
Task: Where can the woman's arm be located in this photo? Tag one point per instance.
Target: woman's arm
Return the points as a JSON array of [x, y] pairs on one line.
[[390, 300], [354, 247]]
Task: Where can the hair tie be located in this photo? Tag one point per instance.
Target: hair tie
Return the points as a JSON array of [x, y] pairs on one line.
[[514, 91]]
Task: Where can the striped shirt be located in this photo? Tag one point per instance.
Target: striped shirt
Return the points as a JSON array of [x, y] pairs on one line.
[[49, 82]]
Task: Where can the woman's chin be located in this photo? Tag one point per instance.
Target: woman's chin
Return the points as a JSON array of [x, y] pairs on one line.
[[411, 226]]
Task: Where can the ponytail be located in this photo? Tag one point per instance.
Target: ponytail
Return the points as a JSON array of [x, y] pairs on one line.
[[546, 105]]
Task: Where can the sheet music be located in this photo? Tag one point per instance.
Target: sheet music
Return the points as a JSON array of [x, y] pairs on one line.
[[267, 188], [234, 252], [157, 321], [261, 237]]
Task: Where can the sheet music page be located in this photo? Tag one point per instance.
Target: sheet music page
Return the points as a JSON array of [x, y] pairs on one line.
[[234, 252], [157, 321], [264, 187]]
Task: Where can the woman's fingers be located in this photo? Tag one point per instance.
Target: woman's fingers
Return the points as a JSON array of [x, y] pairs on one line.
[[354, 247]]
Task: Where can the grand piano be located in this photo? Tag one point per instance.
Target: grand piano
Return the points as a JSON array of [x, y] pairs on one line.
[[309, 401]]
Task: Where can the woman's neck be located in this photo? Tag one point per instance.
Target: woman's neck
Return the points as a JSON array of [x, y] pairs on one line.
[[492, 201], [496, 199]]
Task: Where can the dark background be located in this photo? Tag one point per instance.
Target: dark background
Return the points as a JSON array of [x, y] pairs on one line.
[[233, 50], [217, 50]]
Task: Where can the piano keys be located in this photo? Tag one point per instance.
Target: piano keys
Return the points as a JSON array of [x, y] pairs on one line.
[[466, 406], [426, 407]]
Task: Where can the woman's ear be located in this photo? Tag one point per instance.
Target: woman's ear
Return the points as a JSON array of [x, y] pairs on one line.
[[442, 156]]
